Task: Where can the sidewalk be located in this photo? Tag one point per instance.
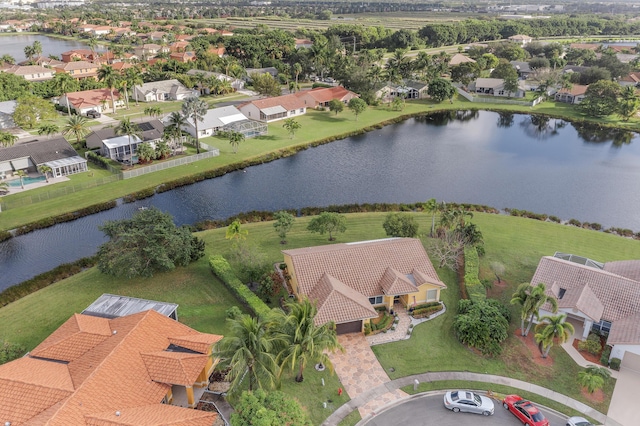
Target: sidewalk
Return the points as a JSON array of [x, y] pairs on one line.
[[393, 385], [578, 359]]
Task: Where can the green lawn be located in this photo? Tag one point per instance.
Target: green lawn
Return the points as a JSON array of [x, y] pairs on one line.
[[316, 126], [517, 242]]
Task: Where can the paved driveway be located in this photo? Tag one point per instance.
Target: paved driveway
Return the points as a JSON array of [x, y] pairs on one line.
[[359, 371]]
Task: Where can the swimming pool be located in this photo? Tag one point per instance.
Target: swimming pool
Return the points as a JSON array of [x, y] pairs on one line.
[[26, 180]]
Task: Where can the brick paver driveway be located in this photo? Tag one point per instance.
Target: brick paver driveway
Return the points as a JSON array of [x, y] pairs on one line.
[[359, 370]]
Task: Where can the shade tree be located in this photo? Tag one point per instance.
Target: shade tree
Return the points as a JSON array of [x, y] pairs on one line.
[[328, 222], [283, 224]]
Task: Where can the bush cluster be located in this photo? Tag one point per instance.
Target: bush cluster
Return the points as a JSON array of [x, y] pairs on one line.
[[528, 214], [604, 358], [5, 235], [385, 323], [615, 364], [45, 279], [139, 195], [591, 345], [426, 312], [98, 160], [66, 217], [475, 290], [221, 269]]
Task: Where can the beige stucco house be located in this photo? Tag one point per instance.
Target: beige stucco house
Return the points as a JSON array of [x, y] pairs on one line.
[[348, 281]]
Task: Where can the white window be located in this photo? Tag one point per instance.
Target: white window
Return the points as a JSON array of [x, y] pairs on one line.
[[301, 110], [432, 294], [377, 300]]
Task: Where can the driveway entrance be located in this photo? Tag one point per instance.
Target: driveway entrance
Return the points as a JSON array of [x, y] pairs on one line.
[[359, 371]]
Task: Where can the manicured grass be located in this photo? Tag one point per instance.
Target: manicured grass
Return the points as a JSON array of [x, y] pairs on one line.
[[316, 125], [499, 391], [352, 419]]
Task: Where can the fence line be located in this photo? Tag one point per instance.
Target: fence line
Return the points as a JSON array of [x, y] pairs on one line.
[[128, 174]]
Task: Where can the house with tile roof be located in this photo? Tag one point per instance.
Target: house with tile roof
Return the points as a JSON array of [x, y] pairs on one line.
[[458, 59], [348, 281], [164, 90], [30, 72], [495, 87], [521, 39], [573, 95], [631, 79], [119, 371], [227, 118], [321, 96], [603, 297], [78, 69], [96, 99], [274, 109], [28, 156]]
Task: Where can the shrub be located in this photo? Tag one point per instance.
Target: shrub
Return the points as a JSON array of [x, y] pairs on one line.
[[555, 219], [139, 195], [615, 364], [98, 160], [233, 312], [10, 351], [591, 346], [475, 290], [426, 312], [604, 358], [426, 305], [575, 222], [5, 235], [367, 329], [400, 225], [221, 269], [66, 217]]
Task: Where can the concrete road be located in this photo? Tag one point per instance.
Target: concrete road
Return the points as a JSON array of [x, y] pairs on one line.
[[430, 411]]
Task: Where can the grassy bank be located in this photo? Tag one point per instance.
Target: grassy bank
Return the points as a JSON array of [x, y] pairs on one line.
[[316, 126], [517, 242]]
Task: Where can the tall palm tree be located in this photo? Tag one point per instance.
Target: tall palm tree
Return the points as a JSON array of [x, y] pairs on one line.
[[76, 125], [134, 78], [7, 139], [306, 342], [431, 206], [7, 59], [37, 48], [297, 69], [195, 109], [248, 349], [128, 128], [21, 174], [110, 77], [153, 111], [45, 170], [520, 298], [551, 328], [64, 83], [538, 297], [48, 129]]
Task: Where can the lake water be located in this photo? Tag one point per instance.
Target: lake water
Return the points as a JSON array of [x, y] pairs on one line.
[[14, 45], [516, 161]]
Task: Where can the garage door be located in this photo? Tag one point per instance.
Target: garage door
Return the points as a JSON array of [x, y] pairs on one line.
[[349, 327]]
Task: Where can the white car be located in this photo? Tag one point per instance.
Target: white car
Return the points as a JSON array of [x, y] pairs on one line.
[[467, 401], [578, 421]]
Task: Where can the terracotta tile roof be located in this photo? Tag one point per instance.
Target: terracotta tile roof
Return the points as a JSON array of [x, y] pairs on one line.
[[575, 90], [153, 415], [175, 368], [74, 338], [77, 65], [393, 282], [38, 372], [458, 59], [581, 298], [289, 102], [326, 94], [112, 376], [626, 268], [89, 98], [200, 342], [339, 303], [625, 331], [361, 265]]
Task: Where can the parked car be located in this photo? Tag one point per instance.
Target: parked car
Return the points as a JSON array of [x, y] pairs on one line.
[[578, 421], [525, 411], [469, 402], [329, 80], [92, 113]]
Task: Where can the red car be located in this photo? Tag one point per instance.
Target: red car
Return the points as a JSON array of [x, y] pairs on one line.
[[525, 411]]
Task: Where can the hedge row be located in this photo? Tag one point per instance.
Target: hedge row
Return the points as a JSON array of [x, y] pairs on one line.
[[66, 217], [426, 305], [221, 269], [97, 159], [45, 279], [139, 195], [475, 290], [425, 312], [5, 235]]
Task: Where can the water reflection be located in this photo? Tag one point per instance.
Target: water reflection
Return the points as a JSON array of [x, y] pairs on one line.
[[445, 117], [541, 127], [592, 133], [505, 120]]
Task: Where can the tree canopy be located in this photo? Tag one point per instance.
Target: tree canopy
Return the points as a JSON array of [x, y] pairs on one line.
[[400, 225], [328, 222], [441, 89], [260, 408], [147, 243]]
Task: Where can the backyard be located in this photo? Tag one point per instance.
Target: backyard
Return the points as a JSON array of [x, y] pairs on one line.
[[516, 242]]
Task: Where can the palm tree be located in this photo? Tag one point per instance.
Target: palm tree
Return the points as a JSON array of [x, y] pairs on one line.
[[134, 78], [129, 128], [154, 112], [110, 77], [520, 298], [174, 127], [235, 138], [76, 125], [48, 129], [21, 174], [92, 43], [37, 48], [306, 342], [7, 139], [551, 328], [431, 206], [538, 297], [64, 83], [248, 349], [297, 69], [195, 109], [590, 380], [45, 170], [4, 187], [7, 59]]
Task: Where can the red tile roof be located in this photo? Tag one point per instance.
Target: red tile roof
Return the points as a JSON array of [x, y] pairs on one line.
[[289, 102], [575, 90], [89, 98], [108, 377], [153, 415], [325, 94]]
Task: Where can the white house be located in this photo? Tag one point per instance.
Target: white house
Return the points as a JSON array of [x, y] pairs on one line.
[[30, 72], [236, 83], [160, 91], [117, 147], [574, 95], [274, 109], [97, 99], [603, 297], [521, 39], [495, 87], [214, 120]]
